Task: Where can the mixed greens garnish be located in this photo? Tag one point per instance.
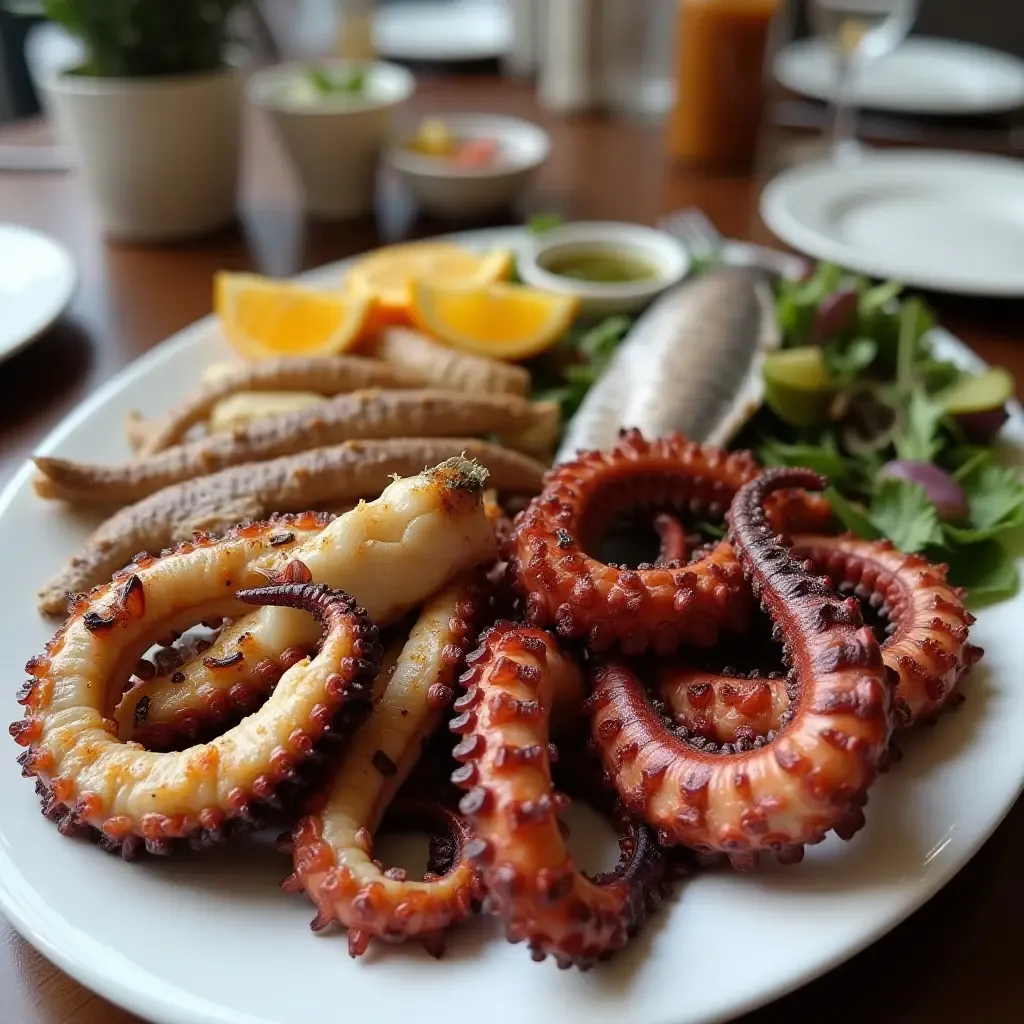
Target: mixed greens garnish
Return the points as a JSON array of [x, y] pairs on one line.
[[565, 373], [349, 83], [908, 440]]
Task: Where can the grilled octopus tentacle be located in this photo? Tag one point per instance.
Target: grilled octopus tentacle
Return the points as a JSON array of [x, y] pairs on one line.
[[333, 844], [814, 773], [390, 554], [531, 879], [927, 645], [127, 797], [658, 607]]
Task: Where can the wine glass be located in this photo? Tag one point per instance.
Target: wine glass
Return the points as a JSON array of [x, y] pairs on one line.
[[858, 31]]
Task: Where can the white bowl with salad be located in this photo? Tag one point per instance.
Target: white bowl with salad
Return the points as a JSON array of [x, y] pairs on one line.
[[333, 118], [465, 165]]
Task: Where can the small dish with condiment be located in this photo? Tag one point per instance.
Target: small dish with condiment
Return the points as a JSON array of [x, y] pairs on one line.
[[465, 165], [611, 267]]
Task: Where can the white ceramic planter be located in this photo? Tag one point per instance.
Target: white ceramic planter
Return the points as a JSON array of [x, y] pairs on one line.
[[159, 155], [334, 143]]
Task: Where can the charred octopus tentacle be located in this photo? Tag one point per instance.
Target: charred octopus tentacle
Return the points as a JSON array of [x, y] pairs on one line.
[[563, 585], [532, 881], [813, 775], [128, 798], [927, 643], [333, 845]]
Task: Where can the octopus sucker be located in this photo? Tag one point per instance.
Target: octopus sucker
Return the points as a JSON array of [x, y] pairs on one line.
[[130, 799], [371, 414], [927, 647], [390, 554], [812, 774], [563, 585], [323, 477], [531, 879], [332, 847], [725, 707]]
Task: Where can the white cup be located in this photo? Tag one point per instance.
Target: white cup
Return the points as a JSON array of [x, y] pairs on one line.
[[334, 141]]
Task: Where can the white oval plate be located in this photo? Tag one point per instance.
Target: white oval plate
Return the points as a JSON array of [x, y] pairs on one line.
[[922, 76], [951, 222], [209, 939], [37, 280]]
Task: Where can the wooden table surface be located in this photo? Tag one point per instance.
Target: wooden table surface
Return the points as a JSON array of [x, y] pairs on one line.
[[958, 958]]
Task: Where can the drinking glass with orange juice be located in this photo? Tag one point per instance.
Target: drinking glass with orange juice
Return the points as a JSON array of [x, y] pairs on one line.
[[720, 57]]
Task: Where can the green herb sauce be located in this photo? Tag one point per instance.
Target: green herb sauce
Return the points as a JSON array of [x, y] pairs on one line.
[[603, 267]]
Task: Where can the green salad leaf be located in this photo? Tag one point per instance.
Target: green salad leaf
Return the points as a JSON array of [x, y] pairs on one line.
[[987, 569], [542, 223], [920, 437], [995, 495], [901, 511], [852, 515], [587, 351], [353, 83]]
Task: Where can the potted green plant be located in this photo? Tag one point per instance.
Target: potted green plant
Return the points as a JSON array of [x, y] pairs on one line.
[[152, 113]]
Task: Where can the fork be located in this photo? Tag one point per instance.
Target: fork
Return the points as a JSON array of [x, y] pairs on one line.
[[703, 241], [699, 236]]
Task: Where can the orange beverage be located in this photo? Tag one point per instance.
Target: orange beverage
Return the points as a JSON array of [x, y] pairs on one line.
[[720, 55]]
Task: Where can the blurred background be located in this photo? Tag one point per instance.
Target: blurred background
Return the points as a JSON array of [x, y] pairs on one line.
[[302, 27]]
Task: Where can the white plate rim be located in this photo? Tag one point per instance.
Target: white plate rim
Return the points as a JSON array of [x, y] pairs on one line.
[[131, 993], [397, 44], [793, 231], [784, 72], [59, 299]]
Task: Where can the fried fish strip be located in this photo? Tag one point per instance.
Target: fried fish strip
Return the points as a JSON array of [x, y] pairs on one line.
[[361, 415], [322, 477], [416, 354], [322, 375]]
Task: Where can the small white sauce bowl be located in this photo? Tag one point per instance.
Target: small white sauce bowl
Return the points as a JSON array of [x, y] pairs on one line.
[[334, 142], [463, 192], [669, 260]]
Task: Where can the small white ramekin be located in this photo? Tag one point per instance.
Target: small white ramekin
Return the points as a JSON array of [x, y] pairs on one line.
[[664, 253], [463, 192]]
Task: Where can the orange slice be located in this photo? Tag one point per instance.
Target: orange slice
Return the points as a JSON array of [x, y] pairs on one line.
[[264, 318], [503, 321], [387, 275]]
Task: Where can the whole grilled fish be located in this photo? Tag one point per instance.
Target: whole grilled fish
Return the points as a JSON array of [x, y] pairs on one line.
[[691, 363]]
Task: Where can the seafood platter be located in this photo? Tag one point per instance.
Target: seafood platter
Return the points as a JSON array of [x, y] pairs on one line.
[[637, 614]]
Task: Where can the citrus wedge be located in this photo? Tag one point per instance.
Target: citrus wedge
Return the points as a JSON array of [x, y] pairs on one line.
[[503, 321], [387, 275], [264, 318], [797, 386]]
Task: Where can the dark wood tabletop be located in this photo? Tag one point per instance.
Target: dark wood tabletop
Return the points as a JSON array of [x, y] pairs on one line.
[[958, 958]]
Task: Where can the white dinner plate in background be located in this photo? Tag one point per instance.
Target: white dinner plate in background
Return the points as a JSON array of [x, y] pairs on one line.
[[922, 76], [37, 280], [945, 221], [457, 30]]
